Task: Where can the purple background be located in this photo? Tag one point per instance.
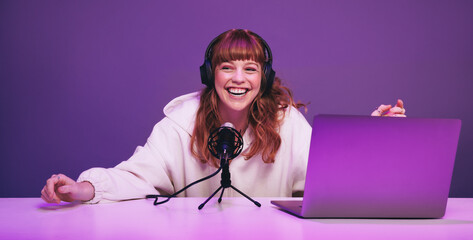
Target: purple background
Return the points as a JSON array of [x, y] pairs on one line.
[[83, 82]]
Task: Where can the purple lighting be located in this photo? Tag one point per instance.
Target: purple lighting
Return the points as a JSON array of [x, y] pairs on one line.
[[82, 83]]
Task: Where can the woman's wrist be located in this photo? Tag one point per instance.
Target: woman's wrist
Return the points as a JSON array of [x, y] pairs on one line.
[[88, 191]]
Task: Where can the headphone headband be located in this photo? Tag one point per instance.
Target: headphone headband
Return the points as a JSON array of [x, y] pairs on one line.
[[207, 75]]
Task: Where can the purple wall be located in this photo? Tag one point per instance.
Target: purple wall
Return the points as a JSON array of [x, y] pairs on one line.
[[83, 82]]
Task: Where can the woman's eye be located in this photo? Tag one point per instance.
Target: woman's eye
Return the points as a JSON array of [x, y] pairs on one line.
[[251, 69]]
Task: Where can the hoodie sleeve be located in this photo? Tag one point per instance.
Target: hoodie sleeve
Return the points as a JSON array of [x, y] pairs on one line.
[[152, 167], [146, 172]]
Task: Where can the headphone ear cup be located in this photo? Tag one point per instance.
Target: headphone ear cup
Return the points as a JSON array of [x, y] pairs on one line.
[[206, 73], [203, 74], [270, 75]]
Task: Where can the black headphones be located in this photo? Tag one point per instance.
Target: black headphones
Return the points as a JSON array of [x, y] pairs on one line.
[[207, 75]]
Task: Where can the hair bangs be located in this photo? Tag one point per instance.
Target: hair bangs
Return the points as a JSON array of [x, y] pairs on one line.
[[238, 45]]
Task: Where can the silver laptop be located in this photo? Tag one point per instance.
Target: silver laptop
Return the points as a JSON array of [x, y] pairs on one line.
[[377, 167]]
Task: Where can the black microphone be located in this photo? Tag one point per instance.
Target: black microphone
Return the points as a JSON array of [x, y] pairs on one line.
[[225, 142]]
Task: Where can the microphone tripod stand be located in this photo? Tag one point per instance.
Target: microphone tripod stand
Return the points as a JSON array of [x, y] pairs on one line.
[[226, 183]]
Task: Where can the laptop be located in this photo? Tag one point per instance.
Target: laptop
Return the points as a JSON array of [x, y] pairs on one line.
[[377, 167]]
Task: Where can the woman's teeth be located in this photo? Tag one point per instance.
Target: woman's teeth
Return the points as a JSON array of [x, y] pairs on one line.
[[237, 91]]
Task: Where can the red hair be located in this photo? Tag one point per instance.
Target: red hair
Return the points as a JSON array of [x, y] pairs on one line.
[[263, 114]]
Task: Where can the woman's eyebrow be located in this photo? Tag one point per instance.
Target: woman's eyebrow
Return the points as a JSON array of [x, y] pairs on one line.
[[253, 64]]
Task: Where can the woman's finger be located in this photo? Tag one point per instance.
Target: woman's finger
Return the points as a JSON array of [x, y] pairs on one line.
[[381, 110], [50, 187], [400, 103], [45, 196], [397, 110], [65, 189], [43, 192], [376, 113], [65, 180]]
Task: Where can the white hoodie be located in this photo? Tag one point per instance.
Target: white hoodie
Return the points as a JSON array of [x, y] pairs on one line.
[[165, 164]]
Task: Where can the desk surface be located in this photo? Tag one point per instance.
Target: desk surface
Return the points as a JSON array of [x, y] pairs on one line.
[[234, 218]]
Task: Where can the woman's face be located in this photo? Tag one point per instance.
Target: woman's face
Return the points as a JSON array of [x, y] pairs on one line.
[[237, 83]]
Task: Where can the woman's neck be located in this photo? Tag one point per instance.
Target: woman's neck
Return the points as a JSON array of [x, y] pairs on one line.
[[238, 119]]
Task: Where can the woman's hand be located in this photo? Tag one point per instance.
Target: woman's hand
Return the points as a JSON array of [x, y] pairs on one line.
[[389, 111], [61, 188]]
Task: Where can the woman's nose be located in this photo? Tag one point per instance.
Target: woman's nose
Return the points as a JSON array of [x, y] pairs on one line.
[[238, 76]]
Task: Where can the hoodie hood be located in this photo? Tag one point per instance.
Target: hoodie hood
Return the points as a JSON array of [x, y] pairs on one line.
[[182, 110]]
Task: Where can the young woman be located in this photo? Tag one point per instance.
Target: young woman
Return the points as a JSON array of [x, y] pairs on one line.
[[241, 89]]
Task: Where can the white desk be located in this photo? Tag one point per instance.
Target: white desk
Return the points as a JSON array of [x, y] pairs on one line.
[[234, 218]]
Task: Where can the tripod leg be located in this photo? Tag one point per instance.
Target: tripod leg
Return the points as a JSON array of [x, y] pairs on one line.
[[244, 195], [221, 194], [211, 196]]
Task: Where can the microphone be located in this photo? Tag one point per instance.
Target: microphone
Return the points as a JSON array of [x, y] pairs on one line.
[[225, 142]]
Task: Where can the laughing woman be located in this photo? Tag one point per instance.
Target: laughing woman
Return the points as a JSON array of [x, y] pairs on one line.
[[241, 88]]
